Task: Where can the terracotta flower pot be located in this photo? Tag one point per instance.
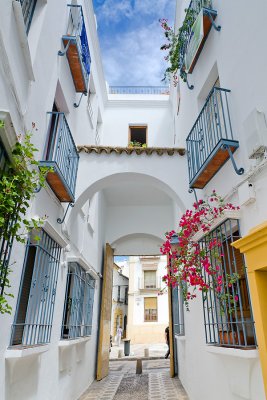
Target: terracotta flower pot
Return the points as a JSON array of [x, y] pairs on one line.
[[231, 338]]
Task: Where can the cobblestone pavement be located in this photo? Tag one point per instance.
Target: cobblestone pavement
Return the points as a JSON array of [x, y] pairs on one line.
[[123, 384], [137, 350]]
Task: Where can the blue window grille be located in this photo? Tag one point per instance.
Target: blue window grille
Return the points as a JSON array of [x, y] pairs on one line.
[[28, 7], [35, 307], [76, 36], [178, 311], [228, 323], [6, 237], [61, 154], [210, 133], [79, 301]]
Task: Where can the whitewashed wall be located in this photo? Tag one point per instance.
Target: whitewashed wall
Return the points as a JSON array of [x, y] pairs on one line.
[[29, 81], [235, 55]]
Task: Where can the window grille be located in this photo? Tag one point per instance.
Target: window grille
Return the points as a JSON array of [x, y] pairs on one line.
[[35, 307], [28, 7], [6, 237], [178, 311], [228, 316], [126, 295], [151, 309], [79, 300]]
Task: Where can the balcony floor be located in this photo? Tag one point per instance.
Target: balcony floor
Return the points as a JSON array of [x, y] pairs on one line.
[[75, 65], [218, 157]]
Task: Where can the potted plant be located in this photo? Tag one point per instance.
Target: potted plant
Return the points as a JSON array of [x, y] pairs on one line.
[[135, 143]]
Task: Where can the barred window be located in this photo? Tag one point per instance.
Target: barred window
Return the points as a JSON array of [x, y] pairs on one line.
[[228, 316], [79, 300], [151, 309], [28, 7], [35, 307], [178, 311]]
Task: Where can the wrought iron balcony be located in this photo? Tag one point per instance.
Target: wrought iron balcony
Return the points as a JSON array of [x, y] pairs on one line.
[[210, 142], [61, 157], [139, 90], [77, 49], [197, 24]]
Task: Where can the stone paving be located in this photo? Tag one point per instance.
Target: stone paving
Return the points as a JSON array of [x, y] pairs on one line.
[[157, 350], [123, 384]]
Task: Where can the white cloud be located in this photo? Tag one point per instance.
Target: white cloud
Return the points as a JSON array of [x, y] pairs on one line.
[[113, 10], [135, 58], [132, 56]]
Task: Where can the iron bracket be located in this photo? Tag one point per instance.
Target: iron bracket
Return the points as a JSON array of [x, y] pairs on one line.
[[62, 53], [239, 171], [39, 187], [190, 87], [59, 220], [216, 27], [76, 105], [193, 190]]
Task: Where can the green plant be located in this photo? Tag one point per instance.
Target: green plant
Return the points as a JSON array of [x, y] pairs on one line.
[[135, 143], [177, 43], [200, 266], [176, 46], [18, 183]]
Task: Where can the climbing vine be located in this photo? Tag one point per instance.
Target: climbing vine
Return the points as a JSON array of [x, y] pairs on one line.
[[19, 180]]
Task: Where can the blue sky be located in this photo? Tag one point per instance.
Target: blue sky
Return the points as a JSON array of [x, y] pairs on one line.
[[130, 39]]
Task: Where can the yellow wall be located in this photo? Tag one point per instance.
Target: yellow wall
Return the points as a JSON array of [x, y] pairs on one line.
[[117, 312], [254, 246]]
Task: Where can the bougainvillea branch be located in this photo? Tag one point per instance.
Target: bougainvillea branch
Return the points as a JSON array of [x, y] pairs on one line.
[[195, 267]]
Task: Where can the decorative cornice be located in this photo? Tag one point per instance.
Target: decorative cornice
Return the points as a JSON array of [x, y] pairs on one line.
[[170, 151]]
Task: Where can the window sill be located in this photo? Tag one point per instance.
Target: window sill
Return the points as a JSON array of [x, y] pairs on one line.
[[228, 214], [23, 39], [21, 352], [238, 365], [180, 338], [247, 353], [72, 342]]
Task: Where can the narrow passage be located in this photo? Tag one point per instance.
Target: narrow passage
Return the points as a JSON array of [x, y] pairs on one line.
[[123, 383]]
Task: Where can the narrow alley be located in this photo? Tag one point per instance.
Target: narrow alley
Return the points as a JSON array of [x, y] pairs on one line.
[[124, 384]]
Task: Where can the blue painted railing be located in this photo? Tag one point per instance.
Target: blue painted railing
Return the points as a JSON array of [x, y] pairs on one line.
[[28, 7], [79, 301], [61, 151], [76, 32], [139, 90], [36, 300], [192, 12], [211, 127]]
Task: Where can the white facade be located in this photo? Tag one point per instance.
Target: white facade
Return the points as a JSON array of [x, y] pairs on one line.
[[127, 200], [144, 328], [207, 371]]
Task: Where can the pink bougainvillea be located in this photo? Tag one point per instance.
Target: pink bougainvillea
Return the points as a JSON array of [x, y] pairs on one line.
[[190, 265]]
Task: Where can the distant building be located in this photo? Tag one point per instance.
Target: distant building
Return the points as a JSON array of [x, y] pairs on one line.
[[119, 301], [148, 310]]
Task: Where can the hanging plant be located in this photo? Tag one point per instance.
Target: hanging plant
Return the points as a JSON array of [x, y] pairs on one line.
[[191, 264], [176, 45], [18, 183]]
